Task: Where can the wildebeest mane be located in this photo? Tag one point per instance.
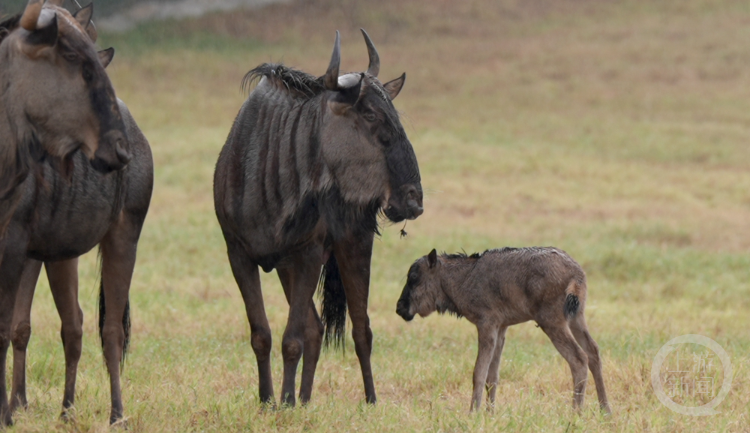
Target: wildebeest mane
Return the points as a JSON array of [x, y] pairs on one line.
[[9, 25], [462, 255], [298, 83]]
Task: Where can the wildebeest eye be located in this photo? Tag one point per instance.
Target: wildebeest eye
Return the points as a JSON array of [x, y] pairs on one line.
[[369, 116], [71, 57]]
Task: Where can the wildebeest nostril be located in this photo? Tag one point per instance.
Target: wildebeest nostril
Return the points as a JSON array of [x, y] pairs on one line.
[[122, 154]]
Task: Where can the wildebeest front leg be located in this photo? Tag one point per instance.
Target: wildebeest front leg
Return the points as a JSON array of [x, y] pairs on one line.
[[21, 331], [313, 340], [118, 249], [248, 279], [492, 373], [487, 339], [11, 269], [354, 255], [63, 281], [304, 271]]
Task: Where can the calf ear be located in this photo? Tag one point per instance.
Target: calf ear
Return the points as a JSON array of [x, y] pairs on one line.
[[432, 258], [394, 87], [105, 56]]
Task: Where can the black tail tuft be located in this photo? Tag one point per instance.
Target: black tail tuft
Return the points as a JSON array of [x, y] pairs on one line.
[[333, 308], [125, 323], [571, 306]]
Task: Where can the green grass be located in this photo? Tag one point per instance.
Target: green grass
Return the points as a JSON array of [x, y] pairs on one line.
[[617, 131]]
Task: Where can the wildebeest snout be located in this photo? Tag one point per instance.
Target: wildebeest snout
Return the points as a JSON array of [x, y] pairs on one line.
[[405, 204], [413, 202], [112, 153], [402, 309]]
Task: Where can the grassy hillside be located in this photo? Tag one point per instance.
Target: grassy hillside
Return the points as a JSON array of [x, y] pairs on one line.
[[617, 131]]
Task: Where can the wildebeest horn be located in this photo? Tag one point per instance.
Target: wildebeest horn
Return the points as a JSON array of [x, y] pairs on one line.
[[31, 14], [374, 67], [332, 74]]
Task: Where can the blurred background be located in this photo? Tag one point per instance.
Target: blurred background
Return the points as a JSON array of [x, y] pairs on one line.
[[616, 130]]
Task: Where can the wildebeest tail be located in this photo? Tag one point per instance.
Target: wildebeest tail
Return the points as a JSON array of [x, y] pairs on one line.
[[573, 295], [333, 310], [103, 315]]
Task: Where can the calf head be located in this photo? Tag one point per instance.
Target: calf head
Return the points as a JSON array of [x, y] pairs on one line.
[[55, 89], [364, 143], [422, 292]]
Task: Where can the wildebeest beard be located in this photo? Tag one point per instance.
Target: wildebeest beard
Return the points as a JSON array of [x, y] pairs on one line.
[[340, 216]]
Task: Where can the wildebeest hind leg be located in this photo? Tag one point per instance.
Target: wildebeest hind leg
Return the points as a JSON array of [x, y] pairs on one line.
[[118, 250], [21, 331], [303, 273], [63, 281], [313, 340], [582, 336], [248, 279], [492, 373], [564, 342], [354, 255]]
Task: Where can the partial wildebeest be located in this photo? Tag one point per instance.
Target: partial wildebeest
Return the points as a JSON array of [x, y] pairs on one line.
[[500, 288], [308, 165], [70, 203], [54, 98]]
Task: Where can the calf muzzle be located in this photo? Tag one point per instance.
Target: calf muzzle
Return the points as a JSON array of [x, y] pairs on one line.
[[402, 309]]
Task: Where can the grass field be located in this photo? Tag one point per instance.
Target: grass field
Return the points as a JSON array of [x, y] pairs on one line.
[[618, 131]]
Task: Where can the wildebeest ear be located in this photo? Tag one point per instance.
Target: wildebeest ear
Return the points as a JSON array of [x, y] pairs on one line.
[[46, 35], [105, 56], [345, 98], [432, 258], [393, 87]]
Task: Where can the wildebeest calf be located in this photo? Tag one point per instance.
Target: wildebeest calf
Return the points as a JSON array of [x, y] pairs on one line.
[[500, 288]]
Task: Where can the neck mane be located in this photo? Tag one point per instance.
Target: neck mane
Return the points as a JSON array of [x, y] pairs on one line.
[[297, 83]]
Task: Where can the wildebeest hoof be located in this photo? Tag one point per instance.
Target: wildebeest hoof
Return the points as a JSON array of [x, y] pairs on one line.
[[121, 423]]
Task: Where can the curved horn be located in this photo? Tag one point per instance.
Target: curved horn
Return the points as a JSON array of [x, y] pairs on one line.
[[374, 67], [332, 74], [31, 14]]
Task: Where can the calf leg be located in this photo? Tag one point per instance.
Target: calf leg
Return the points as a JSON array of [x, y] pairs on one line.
[[493, 372], [582, 336], [313, 340], [564, 342], [63, 281], [487, 341], [353, 256], [248, 279], [21, 331]]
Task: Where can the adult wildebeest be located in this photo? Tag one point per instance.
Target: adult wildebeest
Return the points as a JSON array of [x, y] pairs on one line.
[[70, 203], [45, 106], [504, 287], [307, 167]]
